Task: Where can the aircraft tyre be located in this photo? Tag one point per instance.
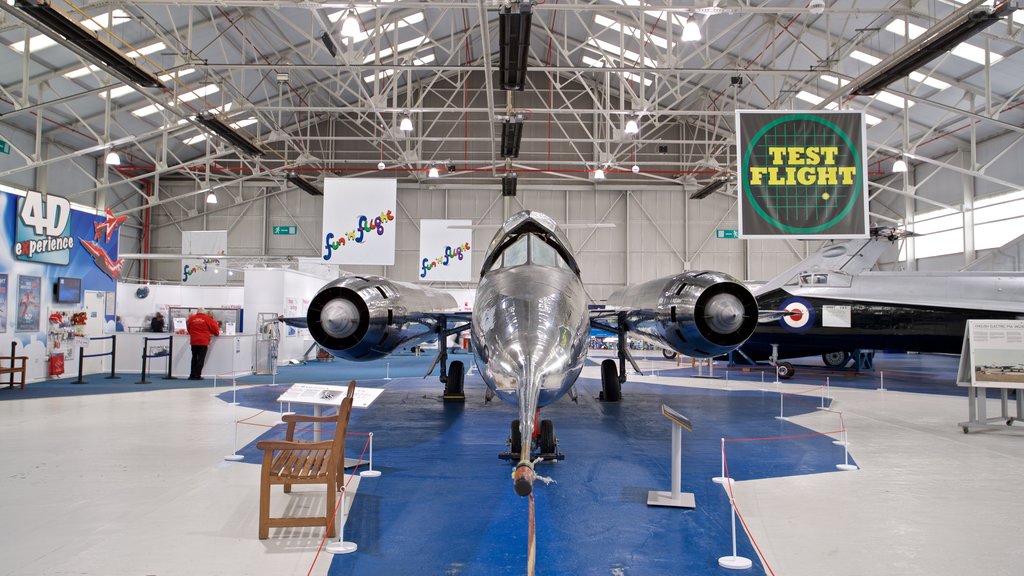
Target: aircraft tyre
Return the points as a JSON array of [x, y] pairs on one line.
[[669, 354], [786, 370], [611, 389], [836, 359], [453, 390], [517, 442], [547, 437]]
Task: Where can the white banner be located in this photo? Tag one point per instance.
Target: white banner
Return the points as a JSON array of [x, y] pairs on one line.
[[210, 271], [359, 220], [445, 253]]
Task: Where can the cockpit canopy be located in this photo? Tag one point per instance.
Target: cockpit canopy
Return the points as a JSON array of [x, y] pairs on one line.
[[529, 237]]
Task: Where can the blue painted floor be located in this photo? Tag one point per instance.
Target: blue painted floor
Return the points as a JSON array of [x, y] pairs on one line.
[[445, 505]]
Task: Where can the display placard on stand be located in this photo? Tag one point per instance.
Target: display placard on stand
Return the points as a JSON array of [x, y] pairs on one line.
[[328, 395], [992, 357]]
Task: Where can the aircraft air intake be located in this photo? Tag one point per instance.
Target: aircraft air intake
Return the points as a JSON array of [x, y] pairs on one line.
[[366, 317], [698, 314]]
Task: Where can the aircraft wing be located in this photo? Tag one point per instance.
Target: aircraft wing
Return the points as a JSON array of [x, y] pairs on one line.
[[698, 314]]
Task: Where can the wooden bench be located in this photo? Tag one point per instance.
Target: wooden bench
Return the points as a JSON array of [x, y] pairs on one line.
[[289, 462], [12, 369]]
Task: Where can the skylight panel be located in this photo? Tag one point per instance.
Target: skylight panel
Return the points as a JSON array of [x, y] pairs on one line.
[[630, 31], [637, 78], [427, 59], [815, 99], [385, 52], [186, 97], [914, 76], [201, 137], [335, 16], [126, 89], [96, 23], [147, 110], [244, 122], [963, 49], [883, 96], [627, 55]]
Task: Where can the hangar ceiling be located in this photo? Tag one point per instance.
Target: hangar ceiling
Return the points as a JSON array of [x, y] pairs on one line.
[[317, 103]]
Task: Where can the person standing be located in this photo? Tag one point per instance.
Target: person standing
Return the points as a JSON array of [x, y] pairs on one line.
[[200, 328], [157, 323]]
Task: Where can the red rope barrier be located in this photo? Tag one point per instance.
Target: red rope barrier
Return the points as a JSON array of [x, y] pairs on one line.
[[337, 506], [732, 498]]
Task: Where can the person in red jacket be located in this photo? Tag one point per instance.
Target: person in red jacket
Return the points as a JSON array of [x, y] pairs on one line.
[[200, 328]]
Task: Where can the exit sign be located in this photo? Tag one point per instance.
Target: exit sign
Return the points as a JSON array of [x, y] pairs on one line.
[[726, 234], [286, 230], [5, 148]]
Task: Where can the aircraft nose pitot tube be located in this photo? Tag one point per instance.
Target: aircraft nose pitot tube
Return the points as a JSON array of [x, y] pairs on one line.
[[365, 317], [698, 314]]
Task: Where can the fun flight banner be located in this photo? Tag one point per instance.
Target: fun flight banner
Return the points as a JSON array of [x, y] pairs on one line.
[[359, 221], [445, 252], [802, 174], [208, 271]]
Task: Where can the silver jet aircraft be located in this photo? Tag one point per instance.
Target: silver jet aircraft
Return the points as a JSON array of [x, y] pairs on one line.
[[530, 325]]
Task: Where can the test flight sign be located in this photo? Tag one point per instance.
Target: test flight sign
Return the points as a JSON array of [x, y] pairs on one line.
[[802, 174]]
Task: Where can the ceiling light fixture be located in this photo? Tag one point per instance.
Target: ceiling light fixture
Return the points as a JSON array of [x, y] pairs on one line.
[[432, 173], [350, 25], [631, 126], [599, 174], [406, 124], [112, 159], [508, 184], [691, 31], [635, 169], [900, 165], [211, 198], [381, 165], [511, 136]]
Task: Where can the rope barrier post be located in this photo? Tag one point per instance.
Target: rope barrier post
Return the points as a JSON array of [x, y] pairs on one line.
[[823, 393], [214, 393], [113, 358], [234, 456], [881, 381], [387, 371], [370, 472], [722, 479], [145, 346], [781, 415], [81, 362], [170, 358], [14, 348], [734, 562], [234, 391], [341, 546], [846, 455]]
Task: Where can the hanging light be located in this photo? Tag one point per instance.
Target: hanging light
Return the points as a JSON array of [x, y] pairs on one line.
[[380, 165], [691, 31], [631, 126], [211, 198], [433, 172], [635, 169], [599, 174], [350, 25], [406, 124], [900, 165], [113, 159]]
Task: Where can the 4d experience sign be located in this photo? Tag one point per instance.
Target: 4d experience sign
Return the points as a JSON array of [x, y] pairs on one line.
[[802, 174]]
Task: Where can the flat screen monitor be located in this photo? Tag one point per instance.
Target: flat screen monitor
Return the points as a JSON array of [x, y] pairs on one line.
[[68, 290]]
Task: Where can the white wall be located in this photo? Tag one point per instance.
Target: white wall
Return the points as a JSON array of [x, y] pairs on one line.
[[282, 292], [135, 311]]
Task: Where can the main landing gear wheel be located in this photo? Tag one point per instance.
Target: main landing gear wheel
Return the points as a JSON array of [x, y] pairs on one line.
[[453, 390], [836, 359], [668, 354], [548, 443], [786, 370], [611, 389]]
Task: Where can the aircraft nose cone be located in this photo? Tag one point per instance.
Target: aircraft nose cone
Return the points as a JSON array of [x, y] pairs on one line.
[[339, 318], [724, 313]]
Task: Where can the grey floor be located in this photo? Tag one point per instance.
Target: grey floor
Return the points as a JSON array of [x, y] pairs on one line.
[[136, 484]]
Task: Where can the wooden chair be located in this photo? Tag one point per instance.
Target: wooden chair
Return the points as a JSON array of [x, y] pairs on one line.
[[289, 462], [12, 369]]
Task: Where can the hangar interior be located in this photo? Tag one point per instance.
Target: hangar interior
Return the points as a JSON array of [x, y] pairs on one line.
[[624, 122]]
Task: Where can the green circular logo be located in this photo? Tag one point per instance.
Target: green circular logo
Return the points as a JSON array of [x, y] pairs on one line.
[[801, 174]]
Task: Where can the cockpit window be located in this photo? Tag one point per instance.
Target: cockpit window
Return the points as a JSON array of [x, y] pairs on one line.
[[515, 254], [543, 254]]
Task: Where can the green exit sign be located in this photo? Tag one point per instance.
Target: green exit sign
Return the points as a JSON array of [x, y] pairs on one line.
[[5, 148], [726, 234], [286, 230]]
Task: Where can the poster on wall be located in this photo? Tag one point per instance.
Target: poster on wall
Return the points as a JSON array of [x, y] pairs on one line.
[[29, 300], [3, 303], [802, 174], [445, 252], [208, 271], [359, 221]]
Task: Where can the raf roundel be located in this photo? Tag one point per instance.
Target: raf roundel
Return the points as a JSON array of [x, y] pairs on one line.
[[800, 315]]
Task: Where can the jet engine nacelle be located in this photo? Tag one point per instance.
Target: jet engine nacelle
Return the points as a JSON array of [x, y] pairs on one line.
[[367, 317], [698, 314]]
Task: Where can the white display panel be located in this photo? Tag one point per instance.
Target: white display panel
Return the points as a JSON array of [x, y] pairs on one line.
[[359, 221], [996, 353], [209, 271], [444, 251]]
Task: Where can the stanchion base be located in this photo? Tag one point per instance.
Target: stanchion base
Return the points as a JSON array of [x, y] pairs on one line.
[[721, 480], [341, 547], [78, 381], [847, 467], [681, 500], [113, 377], [840, 443], [735, 562], [169, 378], [234, 457], [783, 418], [370, 474], [143, 381], [233, 403], [880, 389]]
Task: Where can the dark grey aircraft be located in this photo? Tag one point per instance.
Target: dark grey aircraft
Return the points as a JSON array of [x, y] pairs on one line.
[[530, 325]]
